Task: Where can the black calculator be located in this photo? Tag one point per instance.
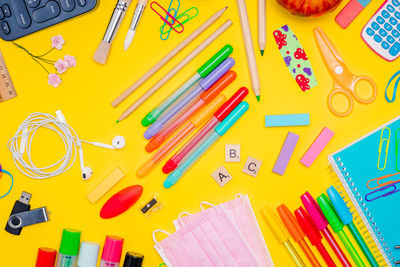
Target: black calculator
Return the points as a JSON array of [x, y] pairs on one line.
[[22, 17]]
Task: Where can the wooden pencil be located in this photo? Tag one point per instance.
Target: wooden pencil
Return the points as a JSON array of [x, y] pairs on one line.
[[262, 35]]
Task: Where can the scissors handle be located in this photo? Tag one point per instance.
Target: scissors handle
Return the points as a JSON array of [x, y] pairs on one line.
[[370, 82], [340, 91]]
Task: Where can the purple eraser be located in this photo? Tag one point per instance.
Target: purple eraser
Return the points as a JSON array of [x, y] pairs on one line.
[[286, 153], [217, 73]]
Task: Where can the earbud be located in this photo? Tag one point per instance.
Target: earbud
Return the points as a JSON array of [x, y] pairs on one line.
[[87, 173], [118, 142]]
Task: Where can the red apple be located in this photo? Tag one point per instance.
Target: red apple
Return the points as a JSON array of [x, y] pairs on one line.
[[309, 7]]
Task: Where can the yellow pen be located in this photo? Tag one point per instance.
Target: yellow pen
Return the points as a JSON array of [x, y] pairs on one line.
[[280, 234]]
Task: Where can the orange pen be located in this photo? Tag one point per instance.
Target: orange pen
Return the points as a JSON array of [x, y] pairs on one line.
[[296, 232], [199, 119], [205, 98]]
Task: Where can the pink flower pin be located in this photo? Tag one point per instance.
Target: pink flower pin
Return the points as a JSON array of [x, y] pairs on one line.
[[71, 61], [57, 42], [61, 66], [54, 80]]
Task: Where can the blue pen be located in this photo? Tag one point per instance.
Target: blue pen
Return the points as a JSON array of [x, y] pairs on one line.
[[347, 218], [219, 131]]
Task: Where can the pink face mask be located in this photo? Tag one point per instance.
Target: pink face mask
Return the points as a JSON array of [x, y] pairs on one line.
[[210, 239]]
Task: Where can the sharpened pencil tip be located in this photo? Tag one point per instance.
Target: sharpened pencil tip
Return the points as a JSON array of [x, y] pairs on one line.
[[262, 52], [258, 98], [117, 121]]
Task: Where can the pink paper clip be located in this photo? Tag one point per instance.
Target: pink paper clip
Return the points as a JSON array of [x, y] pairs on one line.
[[168, 15]]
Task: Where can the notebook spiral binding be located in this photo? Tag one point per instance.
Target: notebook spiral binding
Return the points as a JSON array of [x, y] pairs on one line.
[[359, 218]]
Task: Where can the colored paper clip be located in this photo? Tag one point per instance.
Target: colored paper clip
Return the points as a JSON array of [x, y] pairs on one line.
[[383, 139], [168, 15], [393, 188], [187, 18], [394, 88], [397, 141], [173, 9], [380, 183]]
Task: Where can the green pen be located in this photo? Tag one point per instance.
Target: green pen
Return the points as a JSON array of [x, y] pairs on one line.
[[337, 226], [347, 218], [202, 72]]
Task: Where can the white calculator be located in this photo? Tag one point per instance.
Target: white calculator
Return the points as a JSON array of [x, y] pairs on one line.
[[382, 32]]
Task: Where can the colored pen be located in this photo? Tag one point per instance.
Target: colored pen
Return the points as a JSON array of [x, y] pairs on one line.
[[219, 115], [205, 98], [347, 218], [197, 120], [313, 234], [141, 5], [202, 72], [337, 226], [219, 131], [280, 234], [203, 85], [296, 232], [69, 247], [321, 224]]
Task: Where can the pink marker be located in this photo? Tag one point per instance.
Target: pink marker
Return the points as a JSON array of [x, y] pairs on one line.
[[317, 146], [112, 251]]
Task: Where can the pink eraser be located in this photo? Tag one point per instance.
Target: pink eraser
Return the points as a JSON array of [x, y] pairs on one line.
[[317, 146], [349, 13]]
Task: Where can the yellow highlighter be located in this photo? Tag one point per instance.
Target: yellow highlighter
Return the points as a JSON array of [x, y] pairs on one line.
[[197, 120], [280, 234]]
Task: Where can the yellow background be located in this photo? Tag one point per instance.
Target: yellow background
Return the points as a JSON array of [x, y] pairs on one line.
[[87, 90]]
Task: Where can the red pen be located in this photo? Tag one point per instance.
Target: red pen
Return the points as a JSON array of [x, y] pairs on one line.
[[219, 116], [321, 224], [313, 234]]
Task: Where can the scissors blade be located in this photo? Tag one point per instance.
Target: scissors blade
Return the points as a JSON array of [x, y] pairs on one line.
[[326, 47]]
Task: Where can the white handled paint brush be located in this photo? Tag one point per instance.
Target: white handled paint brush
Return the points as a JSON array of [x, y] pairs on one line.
[[141, 5], [118, 15]]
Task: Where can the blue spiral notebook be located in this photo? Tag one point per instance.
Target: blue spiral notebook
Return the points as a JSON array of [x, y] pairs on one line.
[[369, 170]]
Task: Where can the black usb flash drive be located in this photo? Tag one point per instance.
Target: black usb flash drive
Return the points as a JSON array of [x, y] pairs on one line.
[[20, 205]]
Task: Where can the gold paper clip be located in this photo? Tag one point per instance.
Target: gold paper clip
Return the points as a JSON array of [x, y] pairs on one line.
[[380, 181], [387, 140]]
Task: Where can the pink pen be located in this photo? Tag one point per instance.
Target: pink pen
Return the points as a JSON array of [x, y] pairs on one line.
[[321, 224], [219, 116]]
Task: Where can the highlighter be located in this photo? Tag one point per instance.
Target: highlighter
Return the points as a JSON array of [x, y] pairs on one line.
[[280, 234], [69, 247], [112, 250], [321, 224], [205, 98], [337, 226], [201, 73], [219, 116], [313, 234], [191, 96], [197, 120], [347, 218], [296, 232], [219, 131]]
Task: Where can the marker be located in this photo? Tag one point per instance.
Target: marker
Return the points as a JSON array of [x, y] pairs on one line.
[[204, 85], [205, 98], [337, 226], [347, 218], [219, 116], [219, 131], [46, 257], [202, 72], [69, 248], [313, 234], [112, 250], [280, 234], [321, 224], [296, 232], [197, 120]]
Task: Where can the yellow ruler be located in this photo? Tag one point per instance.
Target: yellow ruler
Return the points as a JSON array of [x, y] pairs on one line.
[[7, 89]]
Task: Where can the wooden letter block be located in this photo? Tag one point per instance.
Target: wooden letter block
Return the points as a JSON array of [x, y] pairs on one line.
[[221, 176], [232, 153], [252, 166]]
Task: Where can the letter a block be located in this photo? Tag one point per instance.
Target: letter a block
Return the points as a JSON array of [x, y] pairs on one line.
[[221, 176], [232, 153], [252, 166]]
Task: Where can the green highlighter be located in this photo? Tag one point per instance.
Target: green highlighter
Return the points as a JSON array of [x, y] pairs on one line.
[[337, 226], [202, 72]]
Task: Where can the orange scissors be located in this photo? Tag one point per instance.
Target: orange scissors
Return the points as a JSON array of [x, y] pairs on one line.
[[344, 81]]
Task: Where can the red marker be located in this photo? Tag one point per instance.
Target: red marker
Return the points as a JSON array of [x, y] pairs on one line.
[[321, 224], [219, 116], [121, 201], [313, 234]]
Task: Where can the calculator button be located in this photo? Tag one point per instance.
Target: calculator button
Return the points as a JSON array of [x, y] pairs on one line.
[[393, 21], [390, 39], [49, 11], [377, 38], [21, 13], [67, 5], [395, 49], [396, 3], [380, 20], [388, 27], [6, 10], [398, 27], [397, 14], [375, 25], [390, 8], [385, 45], [32, 3], [81, 2], [4, 26], [382, 32], [395, 33], [370, 31], [1, 14], [385, 14]]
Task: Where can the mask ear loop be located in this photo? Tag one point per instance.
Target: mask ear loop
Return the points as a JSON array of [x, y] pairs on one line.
[[205, 203], [159, 231], [239, 195]]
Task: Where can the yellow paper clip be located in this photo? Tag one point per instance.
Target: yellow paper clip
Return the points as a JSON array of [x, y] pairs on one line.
[[380, 181], [387, 140]]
